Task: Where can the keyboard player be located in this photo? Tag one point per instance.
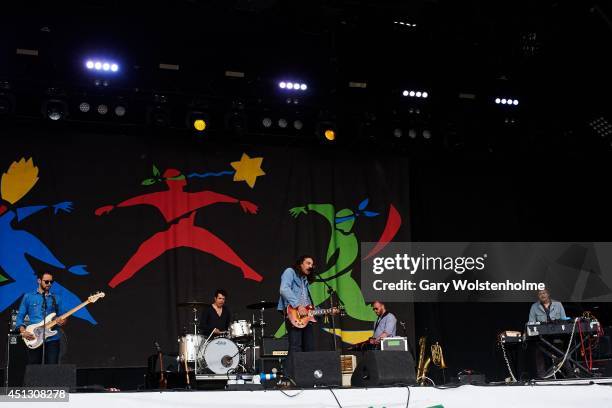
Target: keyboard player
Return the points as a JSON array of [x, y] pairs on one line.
[[545, 310]]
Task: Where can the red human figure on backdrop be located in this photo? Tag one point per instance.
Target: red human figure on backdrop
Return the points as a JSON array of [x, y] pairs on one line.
[[178, 208]]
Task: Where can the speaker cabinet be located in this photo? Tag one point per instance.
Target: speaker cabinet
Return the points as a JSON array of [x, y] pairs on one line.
[[315, 368], [384, 368], [50, 375]]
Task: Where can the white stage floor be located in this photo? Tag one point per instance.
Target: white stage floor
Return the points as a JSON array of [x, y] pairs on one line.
[[553, 394]]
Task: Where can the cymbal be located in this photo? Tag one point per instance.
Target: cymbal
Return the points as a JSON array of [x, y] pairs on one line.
[[262, 304], [192, 303]]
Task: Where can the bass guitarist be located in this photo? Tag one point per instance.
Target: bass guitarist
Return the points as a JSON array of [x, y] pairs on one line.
[[37, 305]]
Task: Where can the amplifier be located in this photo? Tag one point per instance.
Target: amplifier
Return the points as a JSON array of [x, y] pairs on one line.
[[394, 344], [274, 347]]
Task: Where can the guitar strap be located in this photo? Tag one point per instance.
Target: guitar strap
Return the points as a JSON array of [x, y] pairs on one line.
[[379, 320]]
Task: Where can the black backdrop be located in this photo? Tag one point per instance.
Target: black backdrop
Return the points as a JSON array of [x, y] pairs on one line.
[[95, 169], [481, 198]]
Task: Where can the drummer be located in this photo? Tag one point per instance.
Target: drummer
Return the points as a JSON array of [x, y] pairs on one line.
[[216, 318]]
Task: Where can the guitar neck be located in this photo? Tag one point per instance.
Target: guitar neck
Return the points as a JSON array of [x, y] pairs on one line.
[[317, 312], [68, 313]]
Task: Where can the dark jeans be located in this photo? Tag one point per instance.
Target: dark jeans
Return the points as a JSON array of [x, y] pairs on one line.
[[299, 340], [52, 351]]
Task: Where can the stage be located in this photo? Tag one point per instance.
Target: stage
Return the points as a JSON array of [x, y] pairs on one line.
[[553, 393]]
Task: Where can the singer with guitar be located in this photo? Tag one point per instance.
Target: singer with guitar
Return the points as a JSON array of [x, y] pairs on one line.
[[37, 305], [294, 292]]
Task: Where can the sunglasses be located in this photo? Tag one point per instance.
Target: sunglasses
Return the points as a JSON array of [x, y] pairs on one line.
[[48, 282]]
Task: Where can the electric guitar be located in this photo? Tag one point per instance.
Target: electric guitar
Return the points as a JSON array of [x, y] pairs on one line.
[[45, 327], [301, 321]]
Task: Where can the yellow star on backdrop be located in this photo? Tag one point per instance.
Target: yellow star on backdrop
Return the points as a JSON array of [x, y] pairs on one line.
[[248, 169]]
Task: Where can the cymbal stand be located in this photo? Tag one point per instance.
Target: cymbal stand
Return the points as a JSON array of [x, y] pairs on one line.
[[195, 339]]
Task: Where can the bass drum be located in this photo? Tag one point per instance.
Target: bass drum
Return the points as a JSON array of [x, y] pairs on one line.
[[220, 356]]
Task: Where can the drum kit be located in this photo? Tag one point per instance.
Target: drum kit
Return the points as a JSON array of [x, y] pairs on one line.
[[232, 351]]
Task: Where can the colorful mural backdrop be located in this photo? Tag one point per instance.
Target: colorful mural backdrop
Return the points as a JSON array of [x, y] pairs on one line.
[[158, 221]]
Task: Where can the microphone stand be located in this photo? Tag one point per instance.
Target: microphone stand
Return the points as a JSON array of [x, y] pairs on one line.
[[331, 291]]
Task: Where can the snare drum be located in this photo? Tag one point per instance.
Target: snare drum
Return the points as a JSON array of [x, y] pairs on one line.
[[240, 329], [189, 345]]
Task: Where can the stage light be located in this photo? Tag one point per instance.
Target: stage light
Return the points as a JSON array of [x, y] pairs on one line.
[[199, 125], [197, 120], [84, 107], [266, 122], [120, 110], [397, 132], [55, 109], [330, 135], [102, 109], [506, 101], [292, 86], [101, 65], [416, 94], [282, 123], [298, 124], [426, 134], [412, 134]]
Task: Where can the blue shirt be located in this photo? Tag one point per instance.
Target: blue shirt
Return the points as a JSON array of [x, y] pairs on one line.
[[294, 290], [32, 306], [386, 324], [538, 314]]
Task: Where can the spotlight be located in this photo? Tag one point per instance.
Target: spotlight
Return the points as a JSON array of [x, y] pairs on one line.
[[397, 132], [426, 134], [293, 86], [199, 125], [503, 101], [120, 110], [424, 95], [101, 65], [282, 85], [84, 107], [497, 101], [266, 122], [303, 87], [418, 94], [415, 94], [290, 85], [282, 123], [411, 93], [405, 93], [298, 124], [412, 134], [54, 109], [102, 109], [197, 121], [330, 134]]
